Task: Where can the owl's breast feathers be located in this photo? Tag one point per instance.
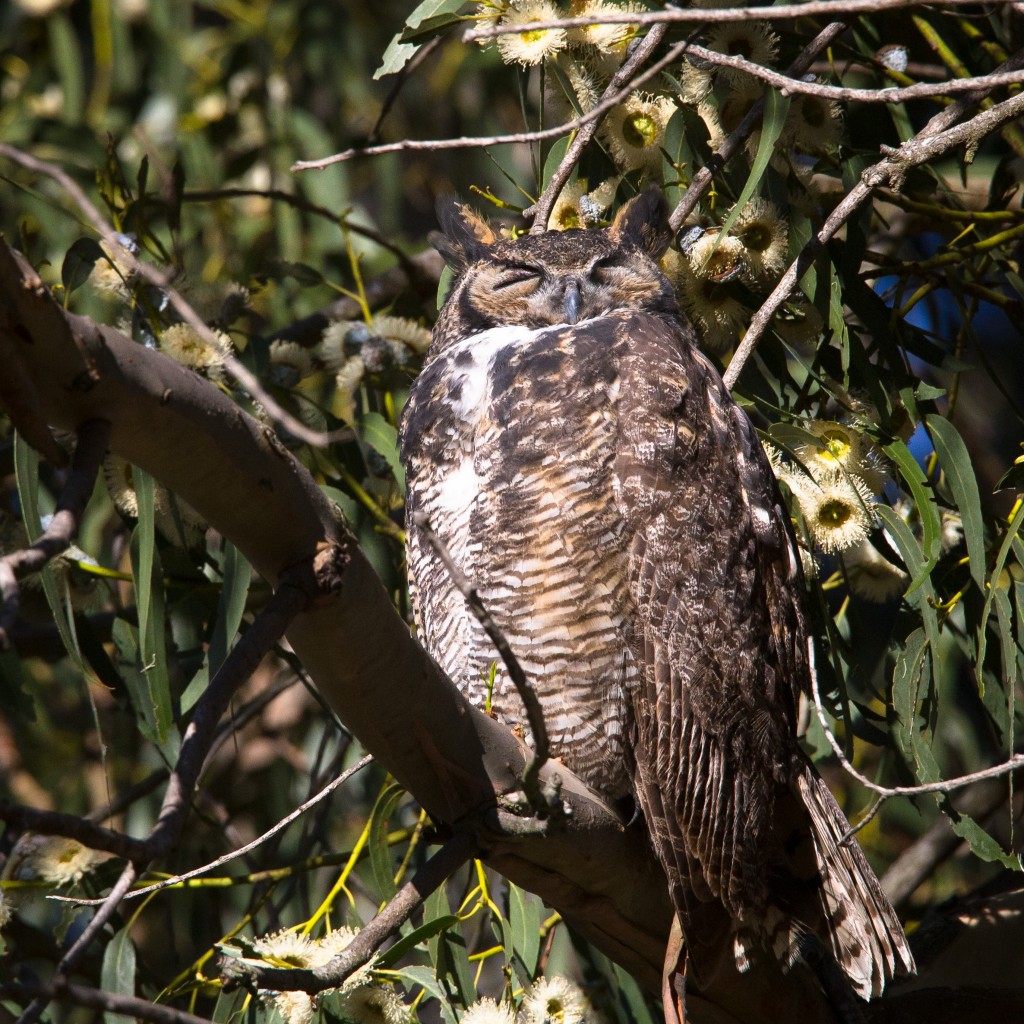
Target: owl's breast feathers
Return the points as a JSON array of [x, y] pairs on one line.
[[616, 511]]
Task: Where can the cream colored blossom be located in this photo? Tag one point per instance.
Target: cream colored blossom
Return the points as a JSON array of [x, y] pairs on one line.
[[843, 447], [753, 40], [347, 381], [765, 236], [489, 1011], [6, 910], [718, 316], [871, 575], [836, 508], [716, 257], [610, 39], [109, 276], [184, 344], [575, 207], [634, 131], [286, 948], [813, 124], [289, 363], [372, 1004], [54, 859], [554, 1001], [533, 46], [695, 82], [403, 330]]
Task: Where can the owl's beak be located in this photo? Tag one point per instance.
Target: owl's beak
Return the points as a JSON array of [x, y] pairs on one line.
[[571, 302]]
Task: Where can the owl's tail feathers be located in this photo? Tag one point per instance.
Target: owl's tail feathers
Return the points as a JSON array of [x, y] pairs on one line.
[[866, 937]]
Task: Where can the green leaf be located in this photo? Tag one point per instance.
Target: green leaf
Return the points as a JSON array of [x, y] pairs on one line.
[[524, 918], [906, 684], [927, 509], [429, 18], [380, 852], [993, 583], [447, 951], [230, 1006], [776, 106], [956, 464], [78, 263], [147, 573], [230, 607], [426, 979], [981, 843], [913, 556], [118, 972], [383, 438], [426, 931]]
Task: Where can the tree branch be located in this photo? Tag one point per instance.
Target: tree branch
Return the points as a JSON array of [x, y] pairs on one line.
[[541, 210], [409, 898], [933, 140], [109, 1002]]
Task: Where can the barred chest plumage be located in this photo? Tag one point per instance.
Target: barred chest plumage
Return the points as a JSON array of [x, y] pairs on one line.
[[509, 442]]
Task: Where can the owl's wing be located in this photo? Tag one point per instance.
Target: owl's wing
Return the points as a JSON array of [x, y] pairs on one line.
[[720, 635], [734, 808]]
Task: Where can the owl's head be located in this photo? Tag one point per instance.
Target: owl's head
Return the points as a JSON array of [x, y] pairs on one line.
[[554, 278]]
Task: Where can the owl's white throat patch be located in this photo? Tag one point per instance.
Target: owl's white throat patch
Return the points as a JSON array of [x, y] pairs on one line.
[[472, 360]]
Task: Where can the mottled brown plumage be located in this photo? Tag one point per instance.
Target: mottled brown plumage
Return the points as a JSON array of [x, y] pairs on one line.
[[591, 476]]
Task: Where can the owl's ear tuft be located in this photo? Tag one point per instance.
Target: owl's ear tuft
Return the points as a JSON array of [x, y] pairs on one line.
[[465, 236], [643, 224]]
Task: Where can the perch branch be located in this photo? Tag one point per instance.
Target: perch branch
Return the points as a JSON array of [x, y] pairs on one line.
[[362, 948]]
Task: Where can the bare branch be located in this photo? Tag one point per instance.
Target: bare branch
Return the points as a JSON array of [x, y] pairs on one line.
[[709, 16], [371, 937], [109, 1002], [885, 792], [930, 142], [888, 94], [541, 210], [174, 880], [701, 181]]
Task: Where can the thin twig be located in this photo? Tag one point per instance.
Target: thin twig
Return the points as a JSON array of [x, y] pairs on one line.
[[889, 171], [99, 920], [534, 712], [89, 451], [292, 595], [243, 659], [607, 101], [162, 281], [701, 181], [371, 937], [917, 863], [708, 15], [109, 1002], [622, 79], [888, 94], [885, 792], [167, 883]]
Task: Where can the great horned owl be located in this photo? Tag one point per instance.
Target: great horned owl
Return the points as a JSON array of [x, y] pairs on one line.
[[591, 476]]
